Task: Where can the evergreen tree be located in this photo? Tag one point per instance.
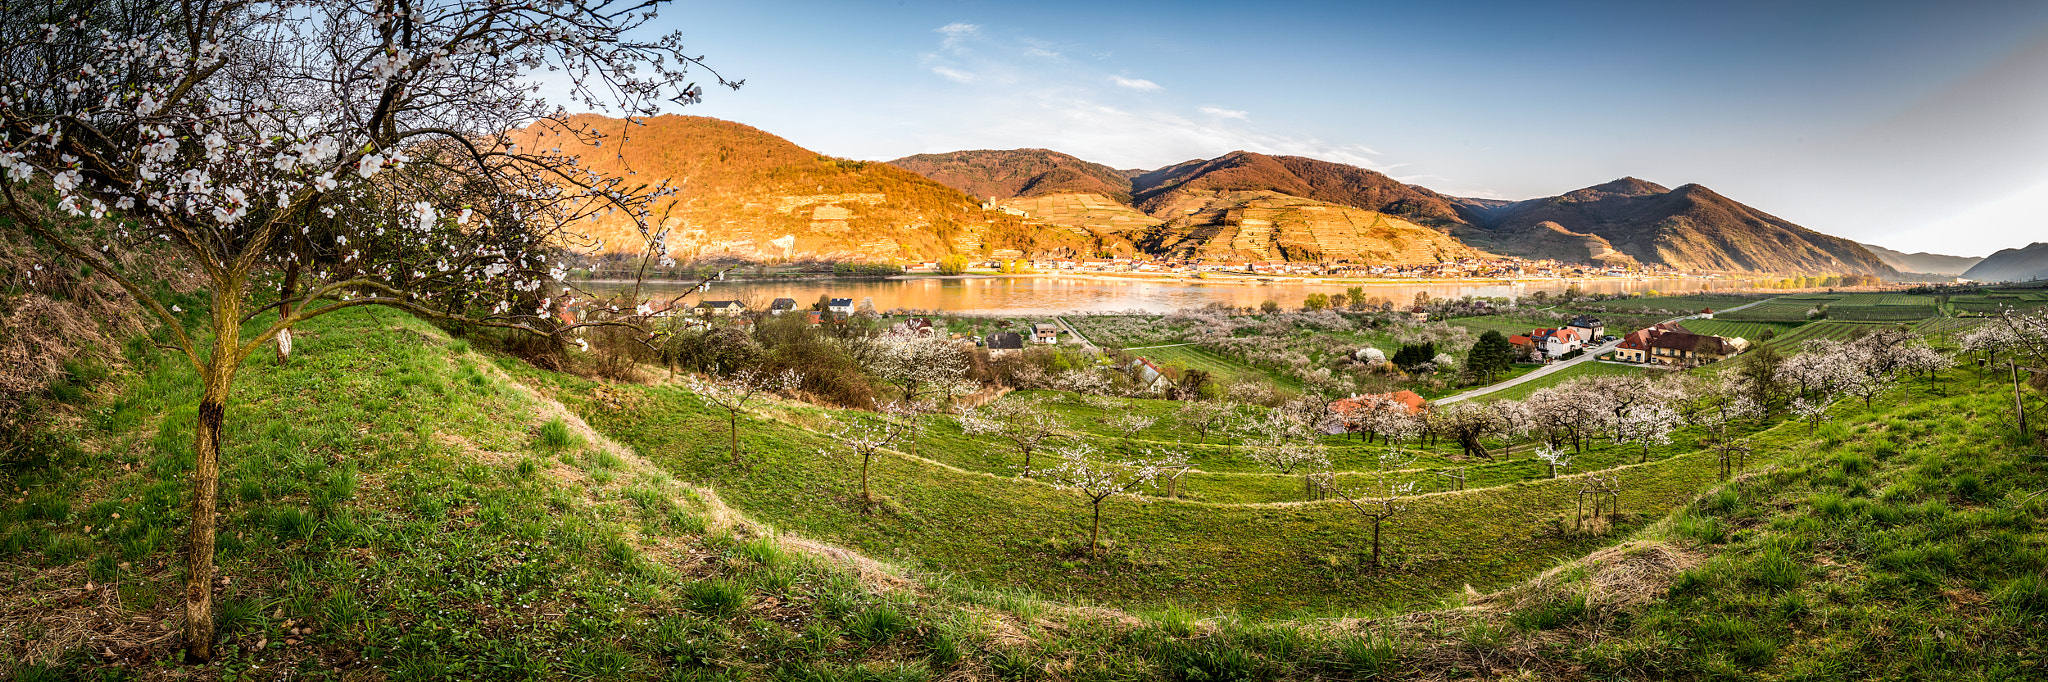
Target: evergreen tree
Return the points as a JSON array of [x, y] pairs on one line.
[[1414, 354], [1490, 356]]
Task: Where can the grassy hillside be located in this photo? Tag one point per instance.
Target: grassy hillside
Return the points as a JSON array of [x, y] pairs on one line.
[[401, 505]]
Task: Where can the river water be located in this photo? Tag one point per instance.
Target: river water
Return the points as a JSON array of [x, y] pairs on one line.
[[1055, 294]]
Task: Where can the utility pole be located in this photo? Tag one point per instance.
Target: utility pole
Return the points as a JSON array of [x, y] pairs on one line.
[[2019, 406]]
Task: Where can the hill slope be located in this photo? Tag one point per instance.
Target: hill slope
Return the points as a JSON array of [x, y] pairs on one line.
[[1690, 228], [1004, 174], [1298, 176], [1923, 262], [750, 194], [2012, 265], [1266, 225]]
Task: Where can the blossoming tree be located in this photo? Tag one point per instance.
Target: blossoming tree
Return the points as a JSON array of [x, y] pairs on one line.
[[361, 148]]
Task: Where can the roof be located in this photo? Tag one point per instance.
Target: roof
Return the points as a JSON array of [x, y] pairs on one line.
[[1586, 322], [783, 304], [1521, 340], [1006, 341], [1407, 399], [842, 301], [721, 304], [1045, 327]]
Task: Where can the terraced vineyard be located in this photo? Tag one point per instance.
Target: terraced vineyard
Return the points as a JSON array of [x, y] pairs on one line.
[[1825, 329], [1769, 312], [1752, 331]]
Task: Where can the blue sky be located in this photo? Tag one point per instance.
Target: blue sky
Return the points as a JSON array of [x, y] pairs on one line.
[[1917, 126]]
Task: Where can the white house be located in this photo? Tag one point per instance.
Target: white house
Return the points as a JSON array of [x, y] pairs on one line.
[[841, 306], [1557, 342]]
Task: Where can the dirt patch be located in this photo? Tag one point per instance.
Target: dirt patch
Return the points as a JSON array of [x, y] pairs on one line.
[[1619, 577], [41, 625]]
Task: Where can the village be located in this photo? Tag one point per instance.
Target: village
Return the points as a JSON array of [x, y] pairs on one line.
[[1462, 268]]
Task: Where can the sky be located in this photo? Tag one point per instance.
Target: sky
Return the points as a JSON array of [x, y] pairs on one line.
[[1914, 126]]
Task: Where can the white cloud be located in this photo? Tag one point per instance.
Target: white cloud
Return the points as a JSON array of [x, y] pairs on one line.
[[1220, 112], [1039, 48], [953, 74], [1135, 83], [956, 33]]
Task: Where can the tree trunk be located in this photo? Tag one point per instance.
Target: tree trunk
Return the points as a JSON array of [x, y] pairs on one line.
[[1095, 533], [284, 310], [866, 498], [733, 433], [218, 378], [1375, 543]]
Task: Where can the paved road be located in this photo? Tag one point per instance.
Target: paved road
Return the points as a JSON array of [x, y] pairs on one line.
[[1547, 370], [1085, 343], [1553, 368]]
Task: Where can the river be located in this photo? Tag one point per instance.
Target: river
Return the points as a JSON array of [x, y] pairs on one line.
[[1054, 294]]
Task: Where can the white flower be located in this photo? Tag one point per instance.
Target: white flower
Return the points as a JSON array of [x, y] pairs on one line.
[[66, 181], [370, 164], [325, 182], [177, 309]]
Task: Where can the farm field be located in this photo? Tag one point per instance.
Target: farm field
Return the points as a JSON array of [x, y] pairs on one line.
[[1751, 331], [1674, 305], [1216, 364], [1775, 311], [1825, 329], [1590, 368]]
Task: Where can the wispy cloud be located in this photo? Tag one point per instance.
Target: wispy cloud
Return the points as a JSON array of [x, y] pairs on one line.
[[1039, 48], [1135, 83], [1220, 112], [956, 33], [954, 74]]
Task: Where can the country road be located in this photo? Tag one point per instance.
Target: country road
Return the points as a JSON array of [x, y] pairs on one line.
[[1553, 368], [1085, 343]]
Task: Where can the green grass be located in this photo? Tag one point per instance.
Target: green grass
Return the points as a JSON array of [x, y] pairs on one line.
[[1751, 331], [1217, 365], [394, 491], [1590, 368]]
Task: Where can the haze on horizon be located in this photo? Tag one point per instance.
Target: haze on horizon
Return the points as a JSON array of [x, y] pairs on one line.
[[1915, 126]]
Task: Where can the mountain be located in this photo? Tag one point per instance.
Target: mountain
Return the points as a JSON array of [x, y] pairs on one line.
[[1004, 174], [1923, 262], [1298, 176], [1088, 200], [751, 195], [2012, 265], [1265, 225], [1689, 228]]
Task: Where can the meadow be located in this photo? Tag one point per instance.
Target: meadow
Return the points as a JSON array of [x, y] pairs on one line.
[[404, 505]]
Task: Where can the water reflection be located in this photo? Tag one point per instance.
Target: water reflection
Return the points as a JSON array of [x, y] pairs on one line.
[[1043, 294]]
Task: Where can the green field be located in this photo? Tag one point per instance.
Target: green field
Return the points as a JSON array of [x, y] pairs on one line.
[[1216, 364], [1751, 331], [1824, 329], [436, 513], [1589, 368], [1676, 305]]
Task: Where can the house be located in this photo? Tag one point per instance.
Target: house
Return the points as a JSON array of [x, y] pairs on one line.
[[781, 305], [1003, 342], [814, 316], [1524, 347], [841, 306], [1589, 328], [1148, 375], [722, 308], [1671, 344], [1557, 342], [1418, 314], [916, 326], [1409, 402], [1045, 332]]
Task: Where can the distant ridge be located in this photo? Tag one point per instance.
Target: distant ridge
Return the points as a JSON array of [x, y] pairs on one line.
[[1004, 174], [2026, 263], [1923, 262], [1689, 228]]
